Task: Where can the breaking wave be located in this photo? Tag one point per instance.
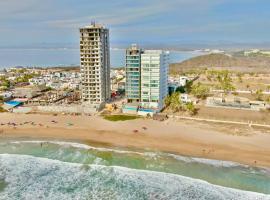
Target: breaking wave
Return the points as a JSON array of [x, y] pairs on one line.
[[29, 177], [216, 163]]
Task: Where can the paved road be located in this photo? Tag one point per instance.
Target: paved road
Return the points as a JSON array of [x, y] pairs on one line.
[[220, 121], [243, 91]]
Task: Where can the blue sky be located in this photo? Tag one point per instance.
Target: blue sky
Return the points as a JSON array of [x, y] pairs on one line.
[[34, 22]]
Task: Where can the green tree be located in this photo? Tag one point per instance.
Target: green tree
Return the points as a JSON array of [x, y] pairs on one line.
[[267, 99], [225, 81], [167, 101], [173, 102], [24, 78], [200, 91], [239, 75], [176, 104], [190, 107], [6, 83], [188, 86], [259, 95], [268, 87], [181, 89]]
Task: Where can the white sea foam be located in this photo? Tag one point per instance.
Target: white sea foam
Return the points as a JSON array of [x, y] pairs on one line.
[[216, 163], [76, 145], [40, 178]]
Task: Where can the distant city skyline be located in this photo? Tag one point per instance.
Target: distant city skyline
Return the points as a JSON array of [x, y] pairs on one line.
[[186, 23]]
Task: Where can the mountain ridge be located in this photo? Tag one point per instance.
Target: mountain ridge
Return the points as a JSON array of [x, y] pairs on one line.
[[223, 61]]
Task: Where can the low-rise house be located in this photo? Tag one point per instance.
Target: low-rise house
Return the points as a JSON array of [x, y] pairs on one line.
[[6, 96], [29, 92], [185, 98], [3, 72], [11, 78], [25, 93], [59, 74], [236, 103], [37, 81], [54, 85], [258, 105], [74, 86], [183, 80]]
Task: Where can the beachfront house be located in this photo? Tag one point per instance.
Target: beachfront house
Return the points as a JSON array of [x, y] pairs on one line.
[[183, 80]]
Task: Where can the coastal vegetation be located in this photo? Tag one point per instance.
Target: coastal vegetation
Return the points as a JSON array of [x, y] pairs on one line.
[[200, 90], [24, 78], [259, 95], [2, 110], [116, 118], [20, 76], [4, 83], [174, 104], [223, 79]]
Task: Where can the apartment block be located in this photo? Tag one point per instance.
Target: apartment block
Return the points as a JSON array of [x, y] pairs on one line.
[[133, 74], [95, 65], [154, 79], [146, 80]]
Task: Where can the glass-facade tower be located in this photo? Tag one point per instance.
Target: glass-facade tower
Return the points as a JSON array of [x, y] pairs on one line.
[[133, 74]]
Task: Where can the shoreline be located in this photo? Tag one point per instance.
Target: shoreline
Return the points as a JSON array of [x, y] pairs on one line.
[[192, 139]]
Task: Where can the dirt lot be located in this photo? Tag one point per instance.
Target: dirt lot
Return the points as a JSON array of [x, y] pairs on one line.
[[247, 82], [234, 115]]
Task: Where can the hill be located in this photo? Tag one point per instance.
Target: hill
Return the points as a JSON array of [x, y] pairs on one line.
[[223, 61]]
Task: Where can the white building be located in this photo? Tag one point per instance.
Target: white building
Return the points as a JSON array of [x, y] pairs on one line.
[[185, 98], [37, 81], [154, 79], [183, 80], [3, 72], [6, 95], [95, 65]]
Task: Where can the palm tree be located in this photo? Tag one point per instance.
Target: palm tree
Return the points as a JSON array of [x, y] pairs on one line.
[[268, 88], [259, 95], [176, 103], [200, 91], [190, 107], [167, 101]]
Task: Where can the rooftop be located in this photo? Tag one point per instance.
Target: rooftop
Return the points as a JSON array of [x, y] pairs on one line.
[[95, 25]]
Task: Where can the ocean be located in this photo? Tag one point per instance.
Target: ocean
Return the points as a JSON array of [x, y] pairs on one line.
[[67, 57], [57, 170]]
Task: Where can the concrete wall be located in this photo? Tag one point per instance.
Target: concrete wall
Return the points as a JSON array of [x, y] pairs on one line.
[[67, 109], [144, 113], [22, 110]]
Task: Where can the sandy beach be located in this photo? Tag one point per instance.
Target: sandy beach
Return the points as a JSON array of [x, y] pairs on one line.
[[239, 144]]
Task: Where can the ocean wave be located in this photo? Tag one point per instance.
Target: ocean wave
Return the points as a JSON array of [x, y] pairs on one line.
[[153, 155], [76, 145], [29, 177], [216, 163]]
